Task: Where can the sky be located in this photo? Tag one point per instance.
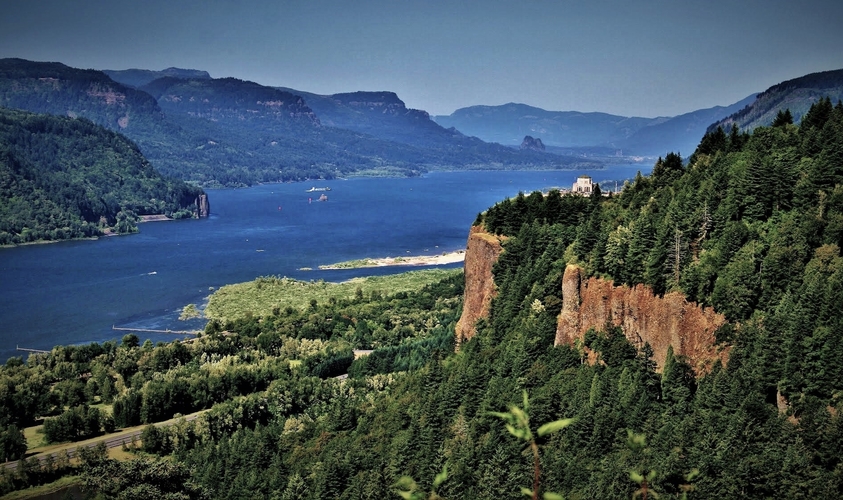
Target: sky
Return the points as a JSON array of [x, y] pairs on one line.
[[626, 57]]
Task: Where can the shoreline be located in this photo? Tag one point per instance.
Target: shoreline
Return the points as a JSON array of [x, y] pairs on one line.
[[416, 260], [153, 218]]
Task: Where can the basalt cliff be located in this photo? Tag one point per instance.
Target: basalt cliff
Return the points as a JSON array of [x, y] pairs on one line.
[[660, 321], [482, 251]]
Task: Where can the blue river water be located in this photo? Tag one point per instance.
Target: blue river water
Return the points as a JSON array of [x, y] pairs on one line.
[[74, 292]]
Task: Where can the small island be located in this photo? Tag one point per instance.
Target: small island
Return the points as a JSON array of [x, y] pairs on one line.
[[418, 260]]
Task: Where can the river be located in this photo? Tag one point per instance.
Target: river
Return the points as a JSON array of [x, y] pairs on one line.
[[74, 292]]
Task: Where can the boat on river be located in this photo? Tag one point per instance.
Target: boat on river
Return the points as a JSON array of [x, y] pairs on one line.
[[315, 189]]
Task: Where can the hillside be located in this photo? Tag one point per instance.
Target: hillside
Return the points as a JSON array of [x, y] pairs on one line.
[[69, 178], [588, 133], [379, 114], [797, 95], [680, 134], [229, 132], [56, 89]]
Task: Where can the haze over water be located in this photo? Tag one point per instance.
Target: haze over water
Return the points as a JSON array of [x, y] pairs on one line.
[[74, 292]]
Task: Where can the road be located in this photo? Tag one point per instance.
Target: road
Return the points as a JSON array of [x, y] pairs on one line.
[[125, 436], [111, 441]]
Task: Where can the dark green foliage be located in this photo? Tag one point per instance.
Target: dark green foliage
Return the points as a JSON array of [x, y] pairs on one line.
[[66, 178], [404, 357], [12, 443], [783, 118], [667, 171], [331, 365], [80, 422], [612, 345], [141, 479]]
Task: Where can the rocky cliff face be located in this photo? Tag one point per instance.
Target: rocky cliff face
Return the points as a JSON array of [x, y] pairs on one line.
[[203, 206], [482, 251], [660, 321], [593, 303]]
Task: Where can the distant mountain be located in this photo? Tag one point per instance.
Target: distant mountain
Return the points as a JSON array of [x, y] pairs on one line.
[[69, 178], [53, 88], [797, 95], [572, 131], [680, 134], [380, 114], [232, 102], [509, 123], [384, 115], [229, 132], [139, 77]]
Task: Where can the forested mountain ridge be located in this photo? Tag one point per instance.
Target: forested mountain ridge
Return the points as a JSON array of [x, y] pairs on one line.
[[64, 178], [664, 322], [229, 132], [751, 226], [380, 114], [140, 77], [56, 89], [230, 101], [796, 95]]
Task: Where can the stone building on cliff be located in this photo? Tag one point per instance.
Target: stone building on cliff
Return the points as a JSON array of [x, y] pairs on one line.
[[583, 186]]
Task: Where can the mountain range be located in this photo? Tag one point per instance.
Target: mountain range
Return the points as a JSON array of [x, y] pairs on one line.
[[602, 134], [230, 132], [217, 132], [588, 132]]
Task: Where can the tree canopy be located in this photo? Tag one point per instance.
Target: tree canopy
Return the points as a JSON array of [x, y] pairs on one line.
[[64, 178]]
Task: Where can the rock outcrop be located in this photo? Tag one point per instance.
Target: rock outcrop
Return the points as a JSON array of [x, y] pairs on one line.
[[532, 143], [203, 206], [660, 321], [482, 251]]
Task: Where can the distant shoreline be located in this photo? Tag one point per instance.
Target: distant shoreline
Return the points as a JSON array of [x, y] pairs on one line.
[[417, 260]]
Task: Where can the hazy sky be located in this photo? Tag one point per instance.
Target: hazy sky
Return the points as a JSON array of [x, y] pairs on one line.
[[627, 57]]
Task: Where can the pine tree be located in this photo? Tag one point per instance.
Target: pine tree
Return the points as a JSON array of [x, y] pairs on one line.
[[783, 118]]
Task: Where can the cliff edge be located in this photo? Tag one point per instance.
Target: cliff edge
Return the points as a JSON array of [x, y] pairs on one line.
[[482, 251], [670, 320], [665, 321]]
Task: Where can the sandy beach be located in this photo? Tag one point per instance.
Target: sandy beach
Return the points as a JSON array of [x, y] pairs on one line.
[[153, 218], [418, 260]]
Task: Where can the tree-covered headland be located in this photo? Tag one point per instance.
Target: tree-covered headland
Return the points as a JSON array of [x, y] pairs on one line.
[[63, 178], [751, 224]]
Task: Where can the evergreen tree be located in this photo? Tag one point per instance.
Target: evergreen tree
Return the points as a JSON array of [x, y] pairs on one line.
[[783, 118]]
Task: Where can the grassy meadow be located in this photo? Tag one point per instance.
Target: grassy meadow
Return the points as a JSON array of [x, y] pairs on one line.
[[260, 296]]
